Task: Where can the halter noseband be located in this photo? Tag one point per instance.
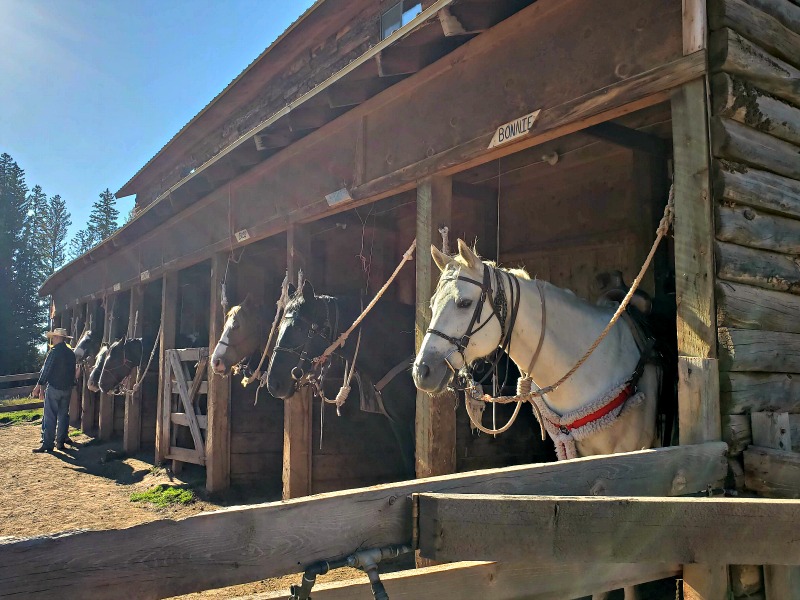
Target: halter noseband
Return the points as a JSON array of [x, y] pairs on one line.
[[314, 330]]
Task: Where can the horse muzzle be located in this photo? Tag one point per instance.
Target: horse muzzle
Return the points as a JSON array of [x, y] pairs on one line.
[[432, 376], [218, 365]]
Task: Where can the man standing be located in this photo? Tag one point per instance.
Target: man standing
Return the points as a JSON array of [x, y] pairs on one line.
[[58, 374]]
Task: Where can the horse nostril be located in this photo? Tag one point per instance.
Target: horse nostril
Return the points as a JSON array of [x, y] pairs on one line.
[[424, 370]]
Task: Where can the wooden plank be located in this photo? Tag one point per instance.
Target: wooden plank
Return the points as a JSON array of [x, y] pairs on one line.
[[26, 406], [730, 52], [188, 405], [744, 103], [694, 16], [297, 410], [762, 351], [132, 430], [105, 427], [185, 455], [710, 531], [698, 400], [771, 430], [746, 307], [19, 377], [750, 227], [734, 141], [189, 354], [498, 581], [772, 473], [761, 268], [757, 26], [694, 228], [760, 189], [201, 389], [179, 418], [781, 582], [737, 433], [436, 416], [17, 392], [742, 393], [237, 545], [218, 434], [169, 304]]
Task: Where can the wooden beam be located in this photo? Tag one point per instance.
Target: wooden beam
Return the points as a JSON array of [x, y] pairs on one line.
[[698, 405], [169, 307], [695, 18], [770, 270], [743, 393], [742, 306], [771, 430], [238, 545], [762, 351], [747, 226], [772, 473], [88, 397], [734, 141], [297, 410], [759, 189], [218, 434], [436, 415], [498, 581], [311, 117], [629, 138], [274, 140], [404, 60], [353, 93], [713, 531], [132, 432], [781, 582]]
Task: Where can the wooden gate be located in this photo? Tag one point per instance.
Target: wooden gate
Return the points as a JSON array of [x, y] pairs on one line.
[[181, 404]]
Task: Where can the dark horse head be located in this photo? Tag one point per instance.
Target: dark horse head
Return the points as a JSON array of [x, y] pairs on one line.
[[305, 332], [243, 332], [123, 356], [87, 347], [94, 375]]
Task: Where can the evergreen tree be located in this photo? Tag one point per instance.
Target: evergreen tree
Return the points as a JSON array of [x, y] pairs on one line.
[[132, 214], [103, 218], [81, 243], [55, 223]]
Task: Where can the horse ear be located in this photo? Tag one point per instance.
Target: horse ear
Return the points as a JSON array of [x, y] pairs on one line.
[[440, 258], [473, 260], [308, 290], [291, 289]]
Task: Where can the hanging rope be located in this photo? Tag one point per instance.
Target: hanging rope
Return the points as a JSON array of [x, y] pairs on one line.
[[280, 306]]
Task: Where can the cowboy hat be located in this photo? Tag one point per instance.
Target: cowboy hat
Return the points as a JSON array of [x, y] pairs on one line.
[[58, 331]]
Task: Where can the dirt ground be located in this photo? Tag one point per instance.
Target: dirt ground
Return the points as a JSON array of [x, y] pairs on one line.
[[85, 487]]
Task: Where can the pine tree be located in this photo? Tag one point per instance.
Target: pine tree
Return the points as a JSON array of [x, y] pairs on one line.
[[132, 214], [81, 243], [103, 218], [54, 232]]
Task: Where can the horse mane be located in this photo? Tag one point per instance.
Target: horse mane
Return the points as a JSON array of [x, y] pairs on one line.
[[233, 311], [517, 272]]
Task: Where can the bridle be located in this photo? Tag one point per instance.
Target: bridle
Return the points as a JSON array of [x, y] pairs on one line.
[[245, 359], [125, 363], [500, 309]]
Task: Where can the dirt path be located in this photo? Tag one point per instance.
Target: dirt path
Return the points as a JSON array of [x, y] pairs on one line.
[[80, 489]]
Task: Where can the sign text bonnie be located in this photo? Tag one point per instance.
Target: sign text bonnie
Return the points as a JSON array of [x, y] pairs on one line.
[[513, 130]]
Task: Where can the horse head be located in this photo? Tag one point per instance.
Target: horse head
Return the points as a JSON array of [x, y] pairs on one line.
[[122, 357], [304, 333], [463, 328], [87, 347], [94, 375], [240, 337]]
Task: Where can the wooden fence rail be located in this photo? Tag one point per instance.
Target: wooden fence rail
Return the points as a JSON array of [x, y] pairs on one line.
[[19, 377], [238, 545]]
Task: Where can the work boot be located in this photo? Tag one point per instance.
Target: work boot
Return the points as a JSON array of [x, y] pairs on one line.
[[60, 446], [41, 449]]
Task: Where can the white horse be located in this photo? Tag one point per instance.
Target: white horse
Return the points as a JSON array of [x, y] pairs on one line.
[[608, 405]]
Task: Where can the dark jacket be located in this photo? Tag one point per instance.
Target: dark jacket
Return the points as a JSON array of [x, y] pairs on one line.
[[59, 368]]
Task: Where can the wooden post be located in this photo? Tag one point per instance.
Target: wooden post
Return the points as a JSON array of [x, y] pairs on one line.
[[297, 423], [436, 415], [218, 434], [105, 426], [698, 370], [132, 432], [169, 306], [88, 397], [77, 393]]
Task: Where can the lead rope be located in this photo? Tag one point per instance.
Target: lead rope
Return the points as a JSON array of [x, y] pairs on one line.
[[661, 232], [280, 306]]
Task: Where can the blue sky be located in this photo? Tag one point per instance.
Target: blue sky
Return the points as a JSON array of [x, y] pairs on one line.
[[90, 90]]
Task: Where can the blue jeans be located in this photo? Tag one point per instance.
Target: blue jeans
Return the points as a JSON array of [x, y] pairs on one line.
[[56, 411]]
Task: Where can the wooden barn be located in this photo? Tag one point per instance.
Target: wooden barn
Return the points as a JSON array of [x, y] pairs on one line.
[[548, 132]]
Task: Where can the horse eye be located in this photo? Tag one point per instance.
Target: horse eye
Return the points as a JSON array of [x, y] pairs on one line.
[[463, 303], [234, 325]]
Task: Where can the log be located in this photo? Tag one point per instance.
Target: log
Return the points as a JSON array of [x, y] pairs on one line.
[[498, 581], [747, 307], [757, 26], [786, 12], [742, 393], [737, 433], [760, 189], [712, 531], [731, 53], [772, 473], [734, 141], [761, 351], [771, 430], [755, 229], [238, 545], [743, 102], [770, 270]]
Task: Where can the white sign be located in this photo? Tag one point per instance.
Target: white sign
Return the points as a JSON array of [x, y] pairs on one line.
[[117, 287], [514, 129], [242, 235], [342, 195], [145, 275]]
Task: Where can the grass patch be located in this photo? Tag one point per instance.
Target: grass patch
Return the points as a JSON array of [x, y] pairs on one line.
[[20, 416], [164, 495], [15, 401], [75, 433]]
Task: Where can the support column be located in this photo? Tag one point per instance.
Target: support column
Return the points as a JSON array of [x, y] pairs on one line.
[[88, 397], [698, 369], [132, 432], [297, 410], [169, 307], [218, 434], [105, 428], [75, 397], [436, 415]]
